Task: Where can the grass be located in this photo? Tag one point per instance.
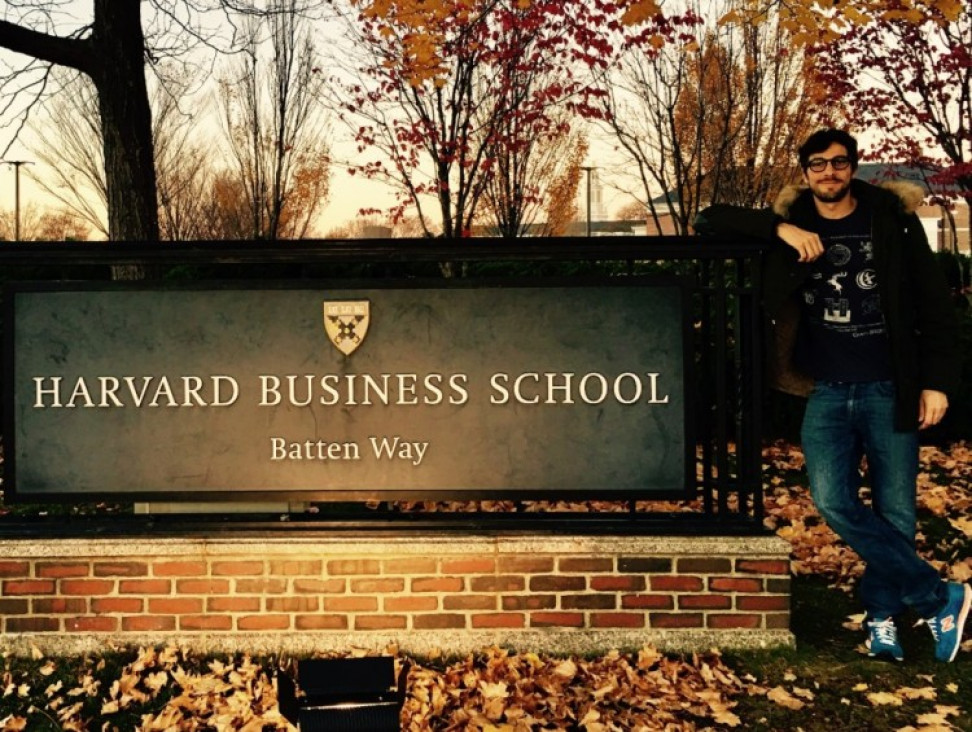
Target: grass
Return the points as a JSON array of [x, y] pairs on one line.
[[828, 663]]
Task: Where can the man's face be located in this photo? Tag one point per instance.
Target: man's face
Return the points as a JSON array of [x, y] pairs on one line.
[[829, 185]]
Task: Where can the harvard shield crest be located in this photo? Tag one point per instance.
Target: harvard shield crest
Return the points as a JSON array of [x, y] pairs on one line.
[[346, 323]]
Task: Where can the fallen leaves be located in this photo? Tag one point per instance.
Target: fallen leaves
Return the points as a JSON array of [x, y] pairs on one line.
[[503, 691]]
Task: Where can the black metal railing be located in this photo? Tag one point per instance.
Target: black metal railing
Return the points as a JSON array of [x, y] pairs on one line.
[[727, 343]]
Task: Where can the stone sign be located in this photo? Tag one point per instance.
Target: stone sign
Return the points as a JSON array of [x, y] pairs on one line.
[[170, 393]]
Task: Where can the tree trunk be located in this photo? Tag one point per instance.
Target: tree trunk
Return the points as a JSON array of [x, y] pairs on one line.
[[119, 77]]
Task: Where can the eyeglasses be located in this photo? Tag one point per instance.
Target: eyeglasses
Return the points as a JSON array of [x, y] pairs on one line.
[[819, 165]]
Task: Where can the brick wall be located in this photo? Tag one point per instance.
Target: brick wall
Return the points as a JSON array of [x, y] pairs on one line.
[[453, 593]]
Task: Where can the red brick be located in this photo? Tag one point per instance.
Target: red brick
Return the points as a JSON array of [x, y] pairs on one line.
[[529, 602], [557, 620], [438, 621], [205, 622], [180, 569], [589, 602], [101, 624], [297, 568], [148, 623], [321, 622], [617, 620], [380, 622], [233, 604], [763, 602], [676, 583], [120, 569], [58, 605], [410, 566], [102, 605], [437, 584], [557, 583], [350, 604], [14, 569], [145, 587], [86, 587], [238, 569], [585, 564], [630, 583], [354, 566], [763, 566], [469, 602], [705, 602], [13, 607], [175, 605], [32, 625], [735, 584], [276, 586], [203, 587], [62, 569], [704, 565], [525, 565], [675, 620], [29, 587], [644, 565], [648, 602], [498, 620], [263, 622], [506, 583], [317, 587], [778, 621], [410, 604], [734, 620], [292, 604], [378, 586], [469, 566]]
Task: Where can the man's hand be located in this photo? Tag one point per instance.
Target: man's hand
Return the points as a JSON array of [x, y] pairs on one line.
[[932, 406], [806, 243]]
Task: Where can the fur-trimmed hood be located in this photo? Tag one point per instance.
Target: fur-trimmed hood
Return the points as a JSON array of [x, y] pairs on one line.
[[911, 195]]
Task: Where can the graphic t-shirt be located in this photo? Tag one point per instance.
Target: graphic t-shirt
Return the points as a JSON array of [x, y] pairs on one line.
[[847, 337]]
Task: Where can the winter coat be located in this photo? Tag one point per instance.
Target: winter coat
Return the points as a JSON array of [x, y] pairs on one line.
[[921, 320]]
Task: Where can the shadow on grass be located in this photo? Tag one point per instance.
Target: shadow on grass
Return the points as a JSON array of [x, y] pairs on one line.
[[829, 663]]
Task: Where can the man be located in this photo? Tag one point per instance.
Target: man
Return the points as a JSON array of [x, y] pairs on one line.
[[863, 317]]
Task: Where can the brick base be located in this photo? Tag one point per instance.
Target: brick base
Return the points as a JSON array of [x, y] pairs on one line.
[[448, 592]]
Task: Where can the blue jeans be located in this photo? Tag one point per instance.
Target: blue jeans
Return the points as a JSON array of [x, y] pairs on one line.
[[844, 421]]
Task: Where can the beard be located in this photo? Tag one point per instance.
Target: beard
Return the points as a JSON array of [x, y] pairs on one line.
[[831, 196]]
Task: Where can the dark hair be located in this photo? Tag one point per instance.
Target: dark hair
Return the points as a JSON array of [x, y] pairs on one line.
[[821, 140]]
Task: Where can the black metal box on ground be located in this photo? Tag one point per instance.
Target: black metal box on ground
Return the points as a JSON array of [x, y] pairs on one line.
[[343, 694]]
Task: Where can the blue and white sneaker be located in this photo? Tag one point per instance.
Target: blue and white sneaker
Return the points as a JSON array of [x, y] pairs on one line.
[[947, 626], [882, 640]]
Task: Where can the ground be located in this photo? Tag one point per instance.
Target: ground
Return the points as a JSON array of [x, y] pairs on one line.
[[825, 684]]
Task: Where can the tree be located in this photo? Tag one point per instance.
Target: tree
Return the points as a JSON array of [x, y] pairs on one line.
[[274, 127], [110, 51], [533, 187], [908, 76], [439, 110], [71, 165], [38, 224], [704, 112]]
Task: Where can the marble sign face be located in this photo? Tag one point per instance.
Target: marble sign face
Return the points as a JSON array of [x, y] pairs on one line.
[[328, 391]]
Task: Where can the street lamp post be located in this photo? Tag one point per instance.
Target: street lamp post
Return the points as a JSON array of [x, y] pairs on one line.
[[16, 164], [587, 169]]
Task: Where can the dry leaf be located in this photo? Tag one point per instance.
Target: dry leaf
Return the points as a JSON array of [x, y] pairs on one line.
[[884, 698], [781, 696]]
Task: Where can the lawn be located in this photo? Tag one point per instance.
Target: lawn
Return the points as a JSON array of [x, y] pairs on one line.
[[826, 683]]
